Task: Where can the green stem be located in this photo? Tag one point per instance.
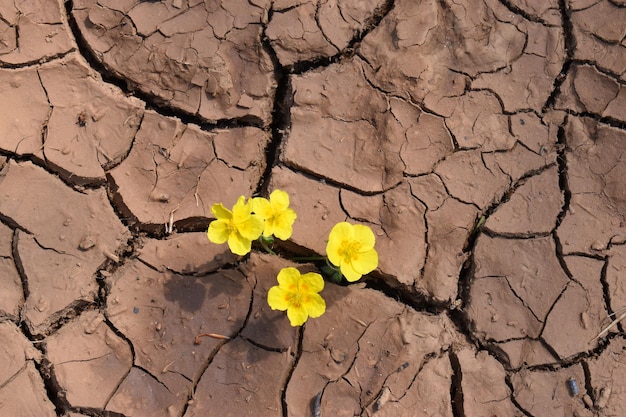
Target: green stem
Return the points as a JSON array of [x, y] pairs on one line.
[[267, 248], [336, 268]]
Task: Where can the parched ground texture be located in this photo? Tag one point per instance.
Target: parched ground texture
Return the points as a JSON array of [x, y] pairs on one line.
[[484, 141]]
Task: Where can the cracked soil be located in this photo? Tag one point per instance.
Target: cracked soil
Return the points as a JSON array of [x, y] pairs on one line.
[[484, 142]]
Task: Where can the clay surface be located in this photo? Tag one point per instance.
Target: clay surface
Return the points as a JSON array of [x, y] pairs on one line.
[[482, 141]]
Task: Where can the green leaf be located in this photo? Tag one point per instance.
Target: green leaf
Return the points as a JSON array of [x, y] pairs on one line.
[[332, 274]]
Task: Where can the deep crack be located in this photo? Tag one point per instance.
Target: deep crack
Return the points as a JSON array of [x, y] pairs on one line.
[[350, 50], [281, 118], [296, 360], [456, 386]]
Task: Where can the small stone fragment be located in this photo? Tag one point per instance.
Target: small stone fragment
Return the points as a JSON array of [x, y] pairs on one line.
[[572, 385], [87, 242], [110, 255], [160, 197]]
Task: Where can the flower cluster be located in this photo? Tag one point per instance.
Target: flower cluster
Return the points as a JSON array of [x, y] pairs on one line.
[[248, 221], [350, 251]]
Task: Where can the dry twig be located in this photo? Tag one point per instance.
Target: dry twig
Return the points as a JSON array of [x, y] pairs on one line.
[[213, 335], [613, 323]]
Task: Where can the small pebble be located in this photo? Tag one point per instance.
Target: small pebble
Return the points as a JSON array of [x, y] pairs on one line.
[[87, 242], [572, 386]]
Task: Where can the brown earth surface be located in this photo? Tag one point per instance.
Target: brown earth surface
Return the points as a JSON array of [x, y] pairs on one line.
[[484, 142]]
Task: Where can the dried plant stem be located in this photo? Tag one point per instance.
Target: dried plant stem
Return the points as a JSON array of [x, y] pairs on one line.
[[213, 335], [613, 323]]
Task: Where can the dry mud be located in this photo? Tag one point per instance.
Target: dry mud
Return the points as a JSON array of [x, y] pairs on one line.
[[482, 141]]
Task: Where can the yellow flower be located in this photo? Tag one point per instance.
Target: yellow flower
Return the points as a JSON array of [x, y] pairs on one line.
[[238, 227], [278, 216], [351, 248], [298, 294]]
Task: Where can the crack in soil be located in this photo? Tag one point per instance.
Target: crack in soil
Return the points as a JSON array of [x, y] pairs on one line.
[[96, 412], [207, 363], [350, 50], [55, 392], [296, 359], [279, 127], [129, 342], [509, 384], [456, 387], [39, 61], [154, 102], [281, 115], [606, 292]]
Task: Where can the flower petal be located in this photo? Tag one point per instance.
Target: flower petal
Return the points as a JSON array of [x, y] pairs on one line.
[[311, 282], [238, 244], [219, 231], [366, 262], [349, 272], [332, 251], [251, 228], [316, 306], [279, 200], [297, 315], [220, 212], [241, 210], [261, 207], [268, 229], [282, 225], [341, 231], [288, 279], [364, 235], [278, 299]]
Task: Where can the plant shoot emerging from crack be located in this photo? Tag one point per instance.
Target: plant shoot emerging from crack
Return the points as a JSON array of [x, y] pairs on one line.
[[350, 251]]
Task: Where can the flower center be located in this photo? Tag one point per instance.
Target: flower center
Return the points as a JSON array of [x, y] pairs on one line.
[[349, 250], [273, 219], [295, 299]]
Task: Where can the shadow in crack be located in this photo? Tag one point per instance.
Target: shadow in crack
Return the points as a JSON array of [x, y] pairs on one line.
[[257, 354], [188, 293], [269, 330], [236, 282]]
